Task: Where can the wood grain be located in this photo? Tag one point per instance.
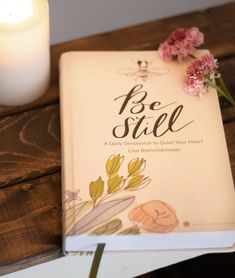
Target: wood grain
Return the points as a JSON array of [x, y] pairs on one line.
[[31, 261], [30, 219], [228, 115], [30, 143], [230, 138], [227, 70]]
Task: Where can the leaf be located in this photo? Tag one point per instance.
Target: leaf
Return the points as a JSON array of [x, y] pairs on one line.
[[137, 182], [113, 165], [108, 228], [96, 189], [100, 214], [134, 230], [136, 166], [115, 184], [73, 214]]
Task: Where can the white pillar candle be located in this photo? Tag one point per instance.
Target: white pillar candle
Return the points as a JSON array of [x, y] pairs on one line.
[[24, 50]]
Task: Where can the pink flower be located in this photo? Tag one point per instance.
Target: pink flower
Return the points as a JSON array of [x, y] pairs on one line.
[[194, 37], [181, 43], [209, 63], [199, 74]]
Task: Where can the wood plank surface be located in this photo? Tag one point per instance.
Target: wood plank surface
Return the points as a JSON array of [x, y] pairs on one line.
[[30, 143], [30, 220], [30, 183]]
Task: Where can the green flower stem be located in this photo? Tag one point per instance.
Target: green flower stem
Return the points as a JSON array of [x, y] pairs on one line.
[[221, 82], [193, 57], [224, 93], [222, 89], [228, 95]]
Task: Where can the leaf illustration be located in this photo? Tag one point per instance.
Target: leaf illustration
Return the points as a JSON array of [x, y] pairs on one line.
[[130, 231], [136, 166], [113, 165], [73, 214], [108, 228], [100, 214], [96, 189], [115, 184], [137, 182]]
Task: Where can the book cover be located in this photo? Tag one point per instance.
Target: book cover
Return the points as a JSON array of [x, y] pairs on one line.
[[145, 165]]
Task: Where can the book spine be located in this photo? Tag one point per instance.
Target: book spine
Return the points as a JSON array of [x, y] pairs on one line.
[[67, 139]]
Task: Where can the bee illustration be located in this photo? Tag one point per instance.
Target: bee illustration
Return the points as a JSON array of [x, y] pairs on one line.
[[143, 70]]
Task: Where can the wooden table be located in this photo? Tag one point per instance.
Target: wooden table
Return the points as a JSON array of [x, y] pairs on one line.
[[30, 180]]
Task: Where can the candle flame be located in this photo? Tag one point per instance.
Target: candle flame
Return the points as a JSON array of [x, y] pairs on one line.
[[15, 11]]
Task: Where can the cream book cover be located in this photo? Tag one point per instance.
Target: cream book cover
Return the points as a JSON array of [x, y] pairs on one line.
[[145, 165]]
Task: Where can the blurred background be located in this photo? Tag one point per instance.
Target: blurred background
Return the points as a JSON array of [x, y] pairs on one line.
[[72, 19]]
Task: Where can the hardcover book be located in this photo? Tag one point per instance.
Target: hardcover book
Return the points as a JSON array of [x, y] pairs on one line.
[[145, 165]]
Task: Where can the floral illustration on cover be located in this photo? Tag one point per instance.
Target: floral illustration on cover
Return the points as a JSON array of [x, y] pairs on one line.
[[98, 215]]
